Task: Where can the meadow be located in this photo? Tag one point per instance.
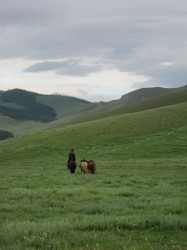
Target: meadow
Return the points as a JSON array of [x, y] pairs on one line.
[[136, 200]]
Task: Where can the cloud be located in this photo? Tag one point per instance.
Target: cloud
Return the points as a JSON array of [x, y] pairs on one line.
[[80, 38], [68, 67], [167, 63]]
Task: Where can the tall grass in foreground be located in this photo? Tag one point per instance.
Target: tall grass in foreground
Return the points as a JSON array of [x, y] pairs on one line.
[[141, 205]]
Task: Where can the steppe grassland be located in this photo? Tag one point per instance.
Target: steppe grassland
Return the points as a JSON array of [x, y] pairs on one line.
[[136, 200], [141, 207]]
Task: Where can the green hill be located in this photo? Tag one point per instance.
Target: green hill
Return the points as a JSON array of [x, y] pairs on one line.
[[65, 105], [144, 94], [142, 99], [171, 98], [108, 137], [24, 112], [139, 95], [136, 200], [118, 107], [22, 105]]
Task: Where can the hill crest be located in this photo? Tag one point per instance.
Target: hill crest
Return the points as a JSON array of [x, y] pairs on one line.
[[24, 112]]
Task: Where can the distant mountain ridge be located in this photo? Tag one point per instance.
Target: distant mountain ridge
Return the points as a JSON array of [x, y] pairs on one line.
[[144, 94], [140, 95], [138, 100], [29, 108], [22, 110], [25, 105]]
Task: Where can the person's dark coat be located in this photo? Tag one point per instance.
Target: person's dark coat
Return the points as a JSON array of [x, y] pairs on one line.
[[72, 157]]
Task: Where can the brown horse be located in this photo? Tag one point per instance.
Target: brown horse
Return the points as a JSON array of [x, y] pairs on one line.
[[72, 166], [91, 166], [87, 166], [84, 166]]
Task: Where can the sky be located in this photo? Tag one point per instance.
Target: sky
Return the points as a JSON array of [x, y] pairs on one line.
[[94, 50]]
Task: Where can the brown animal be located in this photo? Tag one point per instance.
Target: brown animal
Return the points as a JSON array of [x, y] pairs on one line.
[[91, 166], [84, 166], [88, 166], [72, 166]]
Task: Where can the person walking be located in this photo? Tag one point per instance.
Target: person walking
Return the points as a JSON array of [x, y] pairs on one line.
[[71, 156]]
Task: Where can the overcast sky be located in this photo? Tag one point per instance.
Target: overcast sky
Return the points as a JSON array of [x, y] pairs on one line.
[[95, 50]]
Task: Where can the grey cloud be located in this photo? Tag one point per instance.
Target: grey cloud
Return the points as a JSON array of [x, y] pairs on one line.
[[133, 36], [32, 13], [173, 75], [69, 67], [45, 66], [78, 70]]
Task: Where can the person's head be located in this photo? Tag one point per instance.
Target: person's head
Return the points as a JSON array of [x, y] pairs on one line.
[[72, 150]]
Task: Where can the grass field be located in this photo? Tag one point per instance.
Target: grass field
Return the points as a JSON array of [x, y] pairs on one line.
[[136, 200], [136, 205]]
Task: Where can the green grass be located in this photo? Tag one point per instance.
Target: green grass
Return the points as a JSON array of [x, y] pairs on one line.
[[20, 128], [136, 205], [5, 120], [121, 107], [64, 105], [136, 200], [153, 133], [72, 110], [20, 100], [12, 105]]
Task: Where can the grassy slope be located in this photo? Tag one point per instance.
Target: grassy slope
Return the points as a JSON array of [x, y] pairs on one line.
[[5, 120], [12, 105], [67, 106], [137, 199], [73, 110], [114, 131], [172, 98], [99, 110], [139, 95], [145, 93], [64, 105]]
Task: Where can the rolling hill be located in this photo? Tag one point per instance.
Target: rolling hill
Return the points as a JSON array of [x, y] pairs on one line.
[[118, 107], [108, 137], [24, 105], [23, 112], [137, 198]]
